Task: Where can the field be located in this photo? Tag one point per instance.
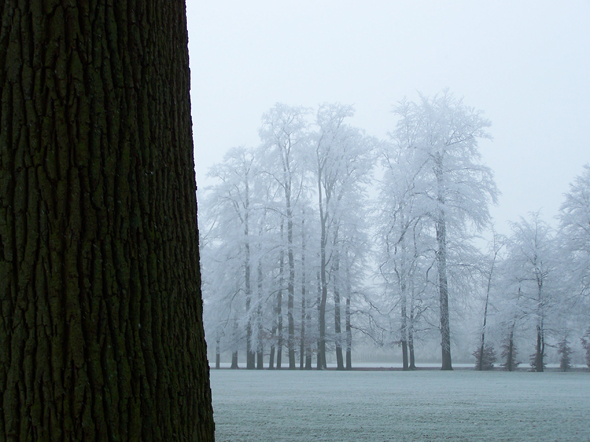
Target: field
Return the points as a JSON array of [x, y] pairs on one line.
[[380, 406]]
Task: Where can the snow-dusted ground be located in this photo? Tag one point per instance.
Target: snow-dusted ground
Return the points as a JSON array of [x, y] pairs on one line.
[[379, 406]]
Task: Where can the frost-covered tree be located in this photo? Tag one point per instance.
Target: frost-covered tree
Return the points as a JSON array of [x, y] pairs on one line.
[[227, 227], [489, 273], [564, 350], [284, 138], [405, 240], [574, 241], [485, 359], [531, 260], [342, 161], [456, 189]]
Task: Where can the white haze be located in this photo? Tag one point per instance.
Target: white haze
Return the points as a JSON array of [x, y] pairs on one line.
[[526, 64]]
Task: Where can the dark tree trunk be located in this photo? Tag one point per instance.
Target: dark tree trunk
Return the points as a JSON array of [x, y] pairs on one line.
[[271, 356], [101, 334], [540, 350], [404, 333], [510, 357]]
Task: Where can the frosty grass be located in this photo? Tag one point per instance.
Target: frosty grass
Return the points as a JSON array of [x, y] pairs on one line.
[[379, 406]]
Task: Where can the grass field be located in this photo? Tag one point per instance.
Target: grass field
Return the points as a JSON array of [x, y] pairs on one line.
[[379, 406]]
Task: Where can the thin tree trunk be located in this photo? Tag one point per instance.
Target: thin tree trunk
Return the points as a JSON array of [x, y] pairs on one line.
[[303, 296], [441, 260], [99, 259], [540, 348], [444, 296], [259, 340], [337, 319], [348, 335], [403, 276], [323, 278], [290, 291], [319, 364], [412, 361], [280, 306]]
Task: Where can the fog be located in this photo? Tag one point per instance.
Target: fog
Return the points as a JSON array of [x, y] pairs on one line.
[[525, 64]]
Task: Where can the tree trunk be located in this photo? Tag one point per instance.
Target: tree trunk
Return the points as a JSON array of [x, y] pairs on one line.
[[250, 355], [280, 306], [337, 321], [510, 356], [234, 353], [303, 296], [101, 334], [540, 350], [404, 333], [290, 290], [412, 359], [348, 335], [444, 296], [441, 260], [259, 340], [319, 363]]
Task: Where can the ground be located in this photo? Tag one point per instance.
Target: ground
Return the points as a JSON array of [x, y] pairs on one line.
[[380, 406]]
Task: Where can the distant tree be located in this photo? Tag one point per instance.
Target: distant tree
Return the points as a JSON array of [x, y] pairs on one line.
[[564, 350], [284, 138], [574, 249], [496, 246], [457, 187], [101, 333], [228, 222], [404, 238], [484, 360], [342, 161], [509, 353], [531, 258]]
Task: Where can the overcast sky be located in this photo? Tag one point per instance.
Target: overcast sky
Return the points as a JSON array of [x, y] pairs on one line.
[[526, 64]]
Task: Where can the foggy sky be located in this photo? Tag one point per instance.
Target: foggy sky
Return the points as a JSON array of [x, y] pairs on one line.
[[525, 63]]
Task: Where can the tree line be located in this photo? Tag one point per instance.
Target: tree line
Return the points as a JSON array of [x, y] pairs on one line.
[[322, 233]]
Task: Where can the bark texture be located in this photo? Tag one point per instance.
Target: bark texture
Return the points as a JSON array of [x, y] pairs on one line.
[[101, 335]]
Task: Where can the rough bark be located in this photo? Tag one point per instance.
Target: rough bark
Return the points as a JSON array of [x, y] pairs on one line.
[[101, 335]]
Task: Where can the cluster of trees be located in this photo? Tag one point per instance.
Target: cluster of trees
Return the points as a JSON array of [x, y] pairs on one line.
[[538, 285], [278, 231], [297, 257]]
